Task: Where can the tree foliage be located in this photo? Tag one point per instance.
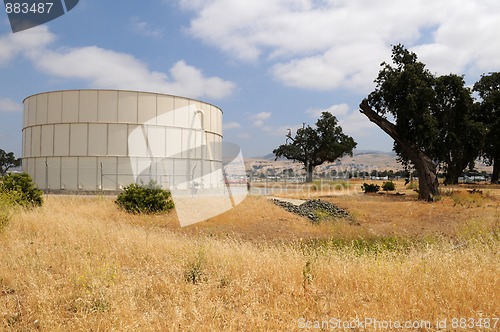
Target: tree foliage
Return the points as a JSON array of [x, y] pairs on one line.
[[405, 92], [388, 186], [488, 88], [434, 118], [370, 187], [459, 135], [7, 161], [23, 190], [314, 146], [142, 198]]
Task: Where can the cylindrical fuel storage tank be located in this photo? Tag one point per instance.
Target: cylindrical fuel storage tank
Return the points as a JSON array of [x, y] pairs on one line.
[[90, 140]]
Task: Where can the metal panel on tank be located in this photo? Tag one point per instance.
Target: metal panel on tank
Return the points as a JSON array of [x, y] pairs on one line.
[[41, 109], [61, 140], [47, 140], [26, 112], [125, 174], [27, 143], [165, 108], [156, 140], [117, 139], [137, 141], [70, 106], [98, 139], [174, 142], [108, 107], [69, 173], [87, 173], [29, 166], [88, 106], [32, 111], [181, 112], [147, 108], [127, 107], [54, 114], [54, 172], [107, 173], [41, 171], [35, 141], [78, 139]]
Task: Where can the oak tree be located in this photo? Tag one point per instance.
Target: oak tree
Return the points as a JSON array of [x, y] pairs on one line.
[[314, 146], [7, 161], [434, 119], [405, 92], [460, 136], [488, 88]]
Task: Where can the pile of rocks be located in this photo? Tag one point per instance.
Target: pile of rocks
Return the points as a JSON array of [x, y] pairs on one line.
[[309, 207]]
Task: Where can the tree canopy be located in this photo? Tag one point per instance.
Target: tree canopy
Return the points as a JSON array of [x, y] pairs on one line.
[[488, 88], [434, 118], [314, 146], [459, 135], [7, 161]]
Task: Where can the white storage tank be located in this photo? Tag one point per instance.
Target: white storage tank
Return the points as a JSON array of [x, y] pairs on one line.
[[90, 140]]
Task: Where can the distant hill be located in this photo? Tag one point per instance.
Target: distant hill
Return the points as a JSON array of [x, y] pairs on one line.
[[362, 160], [362, 152], [271, 156]]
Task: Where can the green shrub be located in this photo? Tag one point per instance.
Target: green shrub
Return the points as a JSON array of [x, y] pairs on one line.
[[370, 188], [7, 208], [142, 198], [22, 188], [388, 186]]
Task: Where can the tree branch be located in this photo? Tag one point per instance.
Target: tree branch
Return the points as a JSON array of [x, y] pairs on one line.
[[388, 127]]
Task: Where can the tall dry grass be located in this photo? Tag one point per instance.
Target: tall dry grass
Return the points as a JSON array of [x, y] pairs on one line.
[[79, 263]]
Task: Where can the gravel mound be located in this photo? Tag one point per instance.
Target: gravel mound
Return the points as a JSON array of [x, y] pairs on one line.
[[309, 209]]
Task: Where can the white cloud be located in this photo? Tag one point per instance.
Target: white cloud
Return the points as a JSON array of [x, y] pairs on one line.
[[25, 42], [324, 45], [103, 68], [281, 131], [189, 80], [356, 124], [353, 123], [8, 105], [466, 38], [144, 28], [337, 110], [109, 69], [259, 118], [231, 125]]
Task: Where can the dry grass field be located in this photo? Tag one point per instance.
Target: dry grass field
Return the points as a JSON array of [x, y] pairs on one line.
[[81, 264]]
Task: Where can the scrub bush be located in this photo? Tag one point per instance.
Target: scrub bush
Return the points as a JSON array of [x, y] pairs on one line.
[[7, 208], [22, 189], [142, 198], [389, 186], [370, 188]]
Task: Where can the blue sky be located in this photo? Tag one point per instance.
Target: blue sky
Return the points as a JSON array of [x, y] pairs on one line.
[[269, 64]]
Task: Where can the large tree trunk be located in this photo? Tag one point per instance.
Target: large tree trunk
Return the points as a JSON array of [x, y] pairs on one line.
[[454, 171], [496, 170], [427, 178], [309, 172]]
